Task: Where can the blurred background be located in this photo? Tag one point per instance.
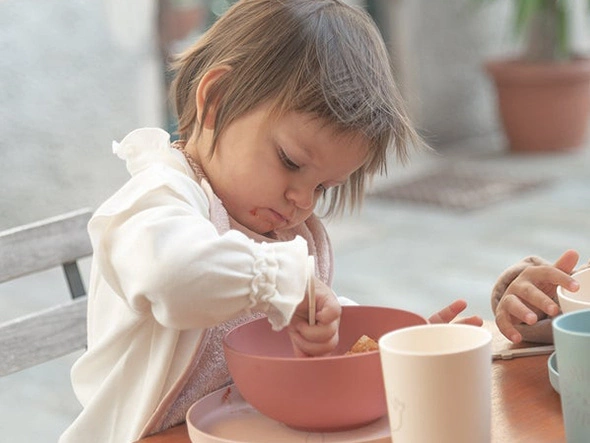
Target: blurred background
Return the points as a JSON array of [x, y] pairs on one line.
[[77, 74]]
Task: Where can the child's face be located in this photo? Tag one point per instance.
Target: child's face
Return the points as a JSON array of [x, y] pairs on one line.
[[269, 173]]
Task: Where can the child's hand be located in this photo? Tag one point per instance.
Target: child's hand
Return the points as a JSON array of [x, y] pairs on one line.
[[531, 296], [322, 338], [449, 313]]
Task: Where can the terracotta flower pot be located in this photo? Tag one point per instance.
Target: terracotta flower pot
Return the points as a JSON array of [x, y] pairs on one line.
[[543, 106]]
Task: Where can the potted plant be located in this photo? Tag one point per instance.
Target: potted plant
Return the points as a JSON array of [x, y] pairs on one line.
[[543, 94]]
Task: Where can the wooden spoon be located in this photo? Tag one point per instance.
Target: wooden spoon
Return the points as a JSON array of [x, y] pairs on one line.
[[311, 290]]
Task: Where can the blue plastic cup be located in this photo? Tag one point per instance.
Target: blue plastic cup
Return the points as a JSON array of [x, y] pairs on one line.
[[571, 333]]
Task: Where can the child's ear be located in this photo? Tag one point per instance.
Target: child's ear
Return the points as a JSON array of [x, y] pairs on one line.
[[203, 90]]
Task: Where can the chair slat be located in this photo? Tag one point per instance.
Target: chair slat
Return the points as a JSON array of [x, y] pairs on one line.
[[42, 336], [45, 244], [74, 279]]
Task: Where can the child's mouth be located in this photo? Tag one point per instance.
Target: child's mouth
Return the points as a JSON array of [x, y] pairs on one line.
[[274, 218]]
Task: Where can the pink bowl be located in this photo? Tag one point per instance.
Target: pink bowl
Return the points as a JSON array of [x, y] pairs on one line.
[[320, 394]]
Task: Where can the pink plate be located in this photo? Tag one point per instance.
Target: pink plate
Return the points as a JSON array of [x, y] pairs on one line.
[[225, 417]]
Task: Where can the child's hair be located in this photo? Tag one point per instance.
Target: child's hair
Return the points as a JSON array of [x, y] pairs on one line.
[[321, 57]]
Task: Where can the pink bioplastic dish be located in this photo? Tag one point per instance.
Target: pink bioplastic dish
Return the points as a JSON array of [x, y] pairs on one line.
[[318, 394]]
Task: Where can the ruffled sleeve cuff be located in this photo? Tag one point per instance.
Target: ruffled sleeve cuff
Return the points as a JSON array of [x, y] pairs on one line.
[[140, 148], [280, 279]]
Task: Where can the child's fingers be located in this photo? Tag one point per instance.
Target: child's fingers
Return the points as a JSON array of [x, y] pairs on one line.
[[306, 349], [317, 333], [328, 310], [512, 310], [516, 310], [545, 275], [303, 346], [568, 260], [525, 295], [506, 327], [322, 337], [532, 296], [449, 313], [316, 340], [474, 320]]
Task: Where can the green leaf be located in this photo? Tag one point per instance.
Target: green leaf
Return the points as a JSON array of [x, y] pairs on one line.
[[562, 31], [525, 10]]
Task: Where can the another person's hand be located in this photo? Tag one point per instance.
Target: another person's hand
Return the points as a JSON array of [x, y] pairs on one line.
[[322, 338], [532, 295], [449, 313]]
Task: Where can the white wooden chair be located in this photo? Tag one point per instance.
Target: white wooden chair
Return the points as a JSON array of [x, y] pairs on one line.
[[50, 333]]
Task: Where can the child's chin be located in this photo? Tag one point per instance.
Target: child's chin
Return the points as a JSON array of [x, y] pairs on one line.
[[261, 228]]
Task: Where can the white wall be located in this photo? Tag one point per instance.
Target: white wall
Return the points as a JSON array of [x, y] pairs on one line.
[[438, 48]]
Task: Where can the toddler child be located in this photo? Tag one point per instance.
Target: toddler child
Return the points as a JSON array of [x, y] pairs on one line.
[[280, 104]]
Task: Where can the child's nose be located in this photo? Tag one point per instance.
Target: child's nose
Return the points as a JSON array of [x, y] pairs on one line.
[[303, 197]]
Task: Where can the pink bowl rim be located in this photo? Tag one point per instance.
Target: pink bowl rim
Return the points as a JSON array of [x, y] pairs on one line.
[[227, 347]]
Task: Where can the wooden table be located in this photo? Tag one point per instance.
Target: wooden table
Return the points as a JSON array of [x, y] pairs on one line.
[[525, 408]]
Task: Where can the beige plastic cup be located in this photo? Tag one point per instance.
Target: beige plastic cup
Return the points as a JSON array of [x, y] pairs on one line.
[[575, 301], [438, 383]]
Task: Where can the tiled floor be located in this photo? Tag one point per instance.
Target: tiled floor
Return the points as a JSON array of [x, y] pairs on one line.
[[421, 257]]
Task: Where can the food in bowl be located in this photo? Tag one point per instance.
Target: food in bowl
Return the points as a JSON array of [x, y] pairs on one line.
[[318, 394], [363, 344]]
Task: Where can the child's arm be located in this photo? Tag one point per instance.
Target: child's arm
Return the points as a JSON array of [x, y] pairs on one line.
[[163, 256], [525, 294]]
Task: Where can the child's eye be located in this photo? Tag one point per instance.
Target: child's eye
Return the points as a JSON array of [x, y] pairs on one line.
[[290, 164], [320, 188]]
